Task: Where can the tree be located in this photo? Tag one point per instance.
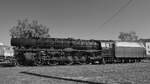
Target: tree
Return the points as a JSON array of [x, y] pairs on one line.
[[128, 36], [26, 29]]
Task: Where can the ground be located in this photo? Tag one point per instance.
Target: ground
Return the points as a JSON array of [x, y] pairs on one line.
[[130, 73]]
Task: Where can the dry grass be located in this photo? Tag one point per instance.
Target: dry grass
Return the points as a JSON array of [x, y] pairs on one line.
[[136, 73]]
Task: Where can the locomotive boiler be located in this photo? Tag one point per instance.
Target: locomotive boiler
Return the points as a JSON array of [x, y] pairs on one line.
[[56, 43]]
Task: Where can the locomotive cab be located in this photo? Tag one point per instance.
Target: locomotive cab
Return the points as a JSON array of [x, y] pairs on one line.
[[107, 48]]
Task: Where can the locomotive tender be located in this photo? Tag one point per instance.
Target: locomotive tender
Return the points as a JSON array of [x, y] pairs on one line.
[[54, 51]]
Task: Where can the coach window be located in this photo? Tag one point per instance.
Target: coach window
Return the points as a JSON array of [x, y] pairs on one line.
[[107, 45], [103, 45]]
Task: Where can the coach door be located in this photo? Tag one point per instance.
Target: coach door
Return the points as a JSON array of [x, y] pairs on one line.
[[148, 48]]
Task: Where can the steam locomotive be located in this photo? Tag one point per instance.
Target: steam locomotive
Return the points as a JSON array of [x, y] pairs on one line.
[[68, 51]]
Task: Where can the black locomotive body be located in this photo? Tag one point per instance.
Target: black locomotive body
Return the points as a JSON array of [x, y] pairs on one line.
[[54, 51], [56, 43]]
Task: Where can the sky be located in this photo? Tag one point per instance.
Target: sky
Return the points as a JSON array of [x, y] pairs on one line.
[[82, 19]]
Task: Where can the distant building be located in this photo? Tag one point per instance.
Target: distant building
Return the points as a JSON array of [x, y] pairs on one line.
[[1, 44]]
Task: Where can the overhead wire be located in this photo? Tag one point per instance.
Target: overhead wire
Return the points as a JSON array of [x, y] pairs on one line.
[[108, 20]]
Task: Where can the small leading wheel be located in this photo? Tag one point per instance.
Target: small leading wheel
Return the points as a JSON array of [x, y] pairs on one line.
[[38, 62], [48, 62], [54, 62], [83, 60], [69, 63], [70, 60]]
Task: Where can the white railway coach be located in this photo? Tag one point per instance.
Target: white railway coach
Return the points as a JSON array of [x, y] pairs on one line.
[[7, 55], [146, 43]]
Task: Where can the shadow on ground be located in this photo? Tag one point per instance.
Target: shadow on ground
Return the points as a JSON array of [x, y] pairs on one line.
[[60, 78]]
